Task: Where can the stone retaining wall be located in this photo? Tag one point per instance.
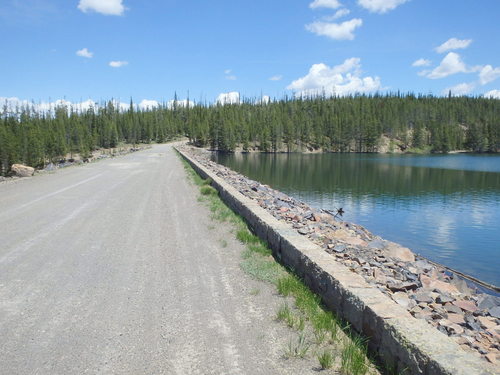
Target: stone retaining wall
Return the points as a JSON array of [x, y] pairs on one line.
[[401, 341]]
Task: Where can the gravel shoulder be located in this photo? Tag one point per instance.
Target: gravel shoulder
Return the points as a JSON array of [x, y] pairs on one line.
[[115, 267]]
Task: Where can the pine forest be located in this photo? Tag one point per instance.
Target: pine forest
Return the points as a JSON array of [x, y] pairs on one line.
[[376, 123]]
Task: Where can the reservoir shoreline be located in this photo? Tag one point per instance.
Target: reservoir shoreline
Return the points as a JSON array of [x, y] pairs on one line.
[[443, 207], [344, 261], [385, 266]]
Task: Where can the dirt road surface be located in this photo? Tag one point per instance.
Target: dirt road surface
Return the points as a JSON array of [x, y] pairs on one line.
[[116, 268]]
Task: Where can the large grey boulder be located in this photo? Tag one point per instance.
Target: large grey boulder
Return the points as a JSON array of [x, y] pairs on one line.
[[20, 170]]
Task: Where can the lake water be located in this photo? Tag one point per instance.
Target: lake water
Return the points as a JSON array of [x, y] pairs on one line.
[[444, 207]]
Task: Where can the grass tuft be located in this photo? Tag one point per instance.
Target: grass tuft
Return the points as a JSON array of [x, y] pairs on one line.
[[300, 323], [208, 190], [325, 359], [288, 285], [261, 268], [305, 300], [319, 336], [298, 348], [324, 323], [244, 236], [353, 356], [283, 312], [220, 212], [260, 249]]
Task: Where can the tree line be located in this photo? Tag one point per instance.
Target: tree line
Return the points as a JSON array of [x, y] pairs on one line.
[[358, 123]]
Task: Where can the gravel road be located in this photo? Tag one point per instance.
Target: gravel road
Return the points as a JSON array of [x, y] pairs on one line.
[[115, 268]]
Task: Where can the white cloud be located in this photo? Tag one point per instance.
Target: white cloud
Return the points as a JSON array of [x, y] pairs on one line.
[[265, 99], [229, 76], [44, 107], [87, 104], [460, 89], [451, 64], [84, 52], [180, 103], [117, 64], [488, 74], [381, 6], [424, 73], [421, 62], [107, 7], [278, 77], [12, 103], [228, 98], [340, 80], [339, 31], [333, 4], [122, 107], [148, 104], [495, 94], [339, 14], [452, 44]]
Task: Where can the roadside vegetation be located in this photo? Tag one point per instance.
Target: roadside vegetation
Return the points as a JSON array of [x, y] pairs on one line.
[[361, 123], [319, 333]]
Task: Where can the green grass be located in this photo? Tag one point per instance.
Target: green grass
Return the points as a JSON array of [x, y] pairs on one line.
[[285, 314], [261, 268], [421, 150], [334, 332], [289, 285], [305, 300], [353, 356], [297, 348], [195, 177], [208, 190], [325, 359], [259, 248], [319, 336], [244, 236], [292, 320], [308, 314], [324, 321], [220, 212]]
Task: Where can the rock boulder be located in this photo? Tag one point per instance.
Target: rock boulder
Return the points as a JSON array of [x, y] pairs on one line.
[[399, 252], [441, 286], [20, 170]]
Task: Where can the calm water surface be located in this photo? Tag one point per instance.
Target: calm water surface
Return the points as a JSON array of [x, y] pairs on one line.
[[445, 207]]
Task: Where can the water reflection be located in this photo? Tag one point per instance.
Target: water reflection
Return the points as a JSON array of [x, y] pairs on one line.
[[362, 175], [424, 202]]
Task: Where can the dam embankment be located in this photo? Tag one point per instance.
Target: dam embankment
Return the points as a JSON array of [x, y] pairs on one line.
[[416, 316]]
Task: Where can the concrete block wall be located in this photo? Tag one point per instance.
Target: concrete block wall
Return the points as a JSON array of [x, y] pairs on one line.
[[400, 340]]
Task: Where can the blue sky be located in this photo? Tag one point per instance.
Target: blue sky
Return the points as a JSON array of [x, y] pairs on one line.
[[101, 49]]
